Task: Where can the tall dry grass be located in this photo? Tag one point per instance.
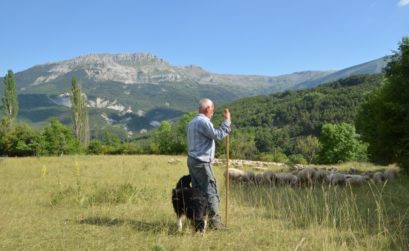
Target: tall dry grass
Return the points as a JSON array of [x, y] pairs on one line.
[[123, 203]]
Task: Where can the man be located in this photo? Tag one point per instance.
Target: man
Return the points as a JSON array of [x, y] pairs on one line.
[[201, 136]]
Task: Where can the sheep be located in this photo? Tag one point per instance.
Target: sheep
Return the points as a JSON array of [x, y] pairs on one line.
[[356, 179], [286, 179], [321, 175], [307, 176], [378, 177], [336, 178], [390, 174], [333, 169], [250, 178], [235, 174], [269, 178], [259, 179], [353, 170]]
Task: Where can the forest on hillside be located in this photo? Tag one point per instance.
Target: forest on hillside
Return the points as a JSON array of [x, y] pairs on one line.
[[272, 127], [280, 125]]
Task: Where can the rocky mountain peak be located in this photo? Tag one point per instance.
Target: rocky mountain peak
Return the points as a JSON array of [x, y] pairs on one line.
[[122, 59], [128, 68]]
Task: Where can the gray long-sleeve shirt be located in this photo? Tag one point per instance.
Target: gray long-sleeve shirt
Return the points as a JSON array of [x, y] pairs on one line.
[[201, 136]]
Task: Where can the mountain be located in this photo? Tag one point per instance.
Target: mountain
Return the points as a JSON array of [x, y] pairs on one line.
[[133, 92], [371, 67]]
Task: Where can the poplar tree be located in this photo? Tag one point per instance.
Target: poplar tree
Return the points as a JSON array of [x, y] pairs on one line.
[[79, 113], [10, 102]]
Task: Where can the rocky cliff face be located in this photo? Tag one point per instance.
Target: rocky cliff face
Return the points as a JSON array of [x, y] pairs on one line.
[[146, 68], [132, 68]]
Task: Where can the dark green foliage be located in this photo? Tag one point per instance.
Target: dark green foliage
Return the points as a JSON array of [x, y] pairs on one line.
[[96, 147], [5, 129], [275, 155], [22, 141], [340, 143], [242, 145], [17, 140], [308, 148], [383, 120], [297, 159], [171, 138], [165, 140], [282, 122], [305, 111], [112, 144], [79, 114], [10, 103], [57, 139]]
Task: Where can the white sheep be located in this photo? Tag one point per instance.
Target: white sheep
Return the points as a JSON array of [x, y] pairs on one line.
[[321, 174], [259, 179], [286, 179], [250, 177], [235, 174], [336, 178], [356, 179], [378, 177], [269, 178], [353, 170], [390, 174], [307, 176]]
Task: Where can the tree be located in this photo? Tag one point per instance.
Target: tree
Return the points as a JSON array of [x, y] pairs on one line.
[[59, 139], [264, 141], [308, 147], [162, 139], [79, 113], [180, 130], [340, 143], [383, 119], [5, 136], [22, 141], [10, 102]]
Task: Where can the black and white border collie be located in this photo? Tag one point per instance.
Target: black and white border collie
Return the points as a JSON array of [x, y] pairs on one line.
[[189, 202]]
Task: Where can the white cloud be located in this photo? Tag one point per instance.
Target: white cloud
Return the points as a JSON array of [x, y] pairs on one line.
[[403, 2]]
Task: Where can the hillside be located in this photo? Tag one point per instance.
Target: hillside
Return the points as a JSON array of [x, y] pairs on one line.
[[371, 67], [280, 119]]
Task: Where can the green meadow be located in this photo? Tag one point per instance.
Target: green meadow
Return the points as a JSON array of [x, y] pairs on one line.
[[124, 203]]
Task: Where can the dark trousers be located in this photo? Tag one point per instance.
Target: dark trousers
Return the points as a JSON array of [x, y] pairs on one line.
[[204, 180]]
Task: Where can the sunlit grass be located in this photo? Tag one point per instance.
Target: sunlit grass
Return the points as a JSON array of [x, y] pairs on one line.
[[123, 203]]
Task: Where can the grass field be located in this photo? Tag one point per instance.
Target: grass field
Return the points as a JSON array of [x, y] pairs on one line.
[[123, 203]]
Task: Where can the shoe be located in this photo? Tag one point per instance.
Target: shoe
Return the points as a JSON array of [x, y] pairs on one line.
[[215, 223]]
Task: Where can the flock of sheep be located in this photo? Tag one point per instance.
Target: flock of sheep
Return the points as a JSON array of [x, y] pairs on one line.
[[310, 176]]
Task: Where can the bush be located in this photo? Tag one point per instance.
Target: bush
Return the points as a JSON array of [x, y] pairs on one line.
[[59, 139], [297, 159], [96, 147], [340, 143], [275, 156]]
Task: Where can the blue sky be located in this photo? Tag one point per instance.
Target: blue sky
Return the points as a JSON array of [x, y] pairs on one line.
[[263, 37]]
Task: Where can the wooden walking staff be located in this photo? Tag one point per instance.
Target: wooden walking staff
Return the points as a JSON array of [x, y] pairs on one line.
[[227, 174]]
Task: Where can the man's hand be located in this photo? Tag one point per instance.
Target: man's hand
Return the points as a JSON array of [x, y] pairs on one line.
[[227, 115]]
